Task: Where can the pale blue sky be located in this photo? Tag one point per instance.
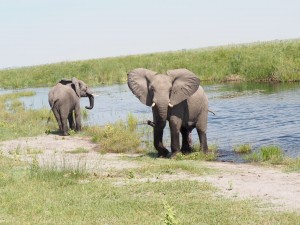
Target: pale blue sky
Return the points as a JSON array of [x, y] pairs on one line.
[[36, 32]]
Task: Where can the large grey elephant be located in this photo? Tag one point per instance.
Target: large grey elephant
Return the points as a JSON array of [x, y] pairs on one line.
[[64, 99], [176, 97]]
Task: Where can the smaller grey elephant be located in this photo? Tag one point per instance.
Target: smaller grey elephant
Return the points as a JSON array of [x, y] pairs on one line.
[[64, 99]]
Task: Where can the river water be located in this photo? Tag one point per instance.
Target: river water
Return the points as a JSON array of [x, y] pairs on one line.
[[257, 114]]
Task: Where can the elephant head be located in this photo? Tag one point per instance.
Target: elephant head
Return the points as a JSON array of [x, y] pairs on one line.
[[81, 89], [162, 91]]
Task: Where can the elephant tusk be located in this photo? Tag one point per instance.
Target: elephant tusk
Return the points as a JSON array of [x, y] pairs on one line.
[[153, 104], [170, 105]]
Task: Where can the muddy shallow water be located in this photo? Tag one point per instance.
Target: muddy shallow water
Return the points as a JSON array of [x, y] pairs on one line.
[[258, 114]]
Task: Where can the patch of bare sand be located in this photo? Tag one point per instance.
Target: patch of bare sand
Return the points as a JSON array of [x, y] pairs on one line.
[[56, 151], [270, 185]]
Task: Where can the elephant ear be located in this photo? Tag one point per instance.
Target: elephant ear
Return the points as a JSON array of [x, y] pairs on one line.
[[138, 82], [76, 86], [185, 84]]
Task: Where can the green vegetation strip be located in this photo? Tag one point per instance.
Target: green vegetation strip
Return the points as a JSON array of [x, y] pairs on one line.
[[265, 61], [34, 195]]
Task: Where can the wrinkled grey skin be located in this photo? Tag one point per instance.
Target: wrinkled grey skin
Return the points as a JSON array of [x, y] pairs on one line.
[[188, 107], [64, 99]]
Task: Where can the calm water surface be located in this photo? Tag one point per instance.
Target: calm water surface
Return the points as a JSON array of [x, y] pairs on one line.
[[258, 114]]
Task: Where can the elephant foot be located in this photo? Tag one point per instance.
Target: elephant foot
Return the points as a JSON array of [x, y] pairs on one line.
[[173, 154], [186, 151], [64, 134], [163, 153]]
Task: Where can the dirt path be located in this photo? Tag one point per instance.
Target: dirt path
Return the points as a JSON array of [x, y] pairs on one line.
[[270, 185]]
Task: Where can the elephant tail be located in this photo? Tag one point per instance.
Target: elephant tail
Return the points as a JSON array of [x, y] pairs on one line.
[[211, 111]]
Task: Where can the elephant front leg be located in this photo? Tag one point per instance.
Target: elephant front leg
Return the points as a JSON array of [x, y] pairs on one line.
[[175, 145], [186, 147], [158, 143], [174, 127]]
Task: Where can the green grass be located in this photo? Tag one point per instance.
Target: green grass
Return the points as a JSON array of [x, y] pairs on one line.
[[62, 175], [293, 165], [16, 121], [268, 154], [32, 195], [243, 148], [154, 167], [197, 154], [274, 154], [264, 61], [120, 137]]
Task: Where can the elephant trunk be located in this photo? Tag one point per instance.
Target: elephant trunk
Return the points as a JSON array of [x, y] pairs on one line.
[[91, 98], [161, 112]]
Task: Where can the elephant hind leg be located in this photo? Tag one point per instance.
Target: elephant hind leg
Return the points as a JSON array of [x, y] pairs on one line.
[[58, 119], [64, 126], [203, 140], [186, 147], [71, 121], [64, 123]]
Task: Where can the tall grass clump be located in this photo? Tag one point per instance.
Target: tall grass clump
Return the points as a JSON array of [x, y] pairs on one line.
[[274, 154], [62, 175], [244, 148], [263, 61], [119, 137], [271, 154]]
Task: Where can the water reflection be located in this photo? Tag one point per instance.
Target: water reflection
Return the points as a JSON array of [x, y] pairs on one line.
[[258, 114]]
